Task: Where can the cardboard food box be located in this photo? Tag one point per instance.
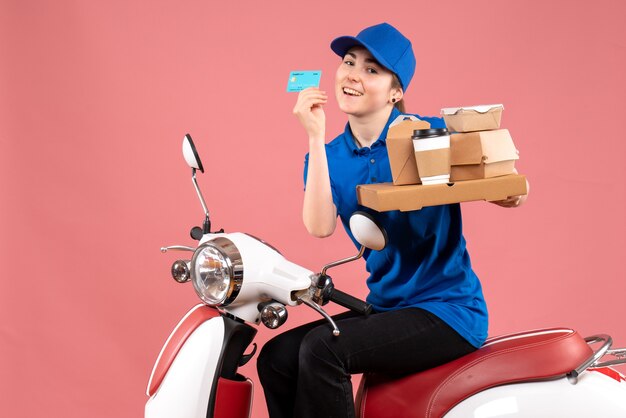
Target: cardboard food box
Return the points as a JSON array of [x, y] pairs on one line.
[[400, 149], [484, 154], [473, 118], [384, 197]]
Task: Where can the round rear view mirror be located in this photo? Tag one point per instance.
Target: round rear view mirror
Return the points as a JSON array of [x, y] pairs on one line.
[[367, 231], [191, 154]]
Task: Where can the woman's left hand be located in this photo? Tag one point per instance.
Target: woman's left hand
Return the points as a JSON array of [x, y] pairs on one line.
[[513, 201]]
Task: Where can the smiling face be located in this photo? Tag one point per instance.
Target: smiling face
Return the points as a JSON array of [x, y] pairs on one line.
[[362, 85]]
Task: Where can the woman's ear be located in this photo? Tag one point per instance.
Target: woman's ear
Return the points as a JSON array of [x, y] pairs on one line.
[[395, 95]]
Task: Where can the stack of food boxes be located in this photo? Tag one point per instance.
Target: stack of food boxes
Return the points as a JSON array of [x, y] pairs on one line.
[[479, 149], [481, 159]]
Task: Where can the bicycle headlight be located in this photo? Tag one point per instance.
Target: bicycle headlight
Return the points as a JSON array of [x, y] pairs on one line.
[[217, 272]]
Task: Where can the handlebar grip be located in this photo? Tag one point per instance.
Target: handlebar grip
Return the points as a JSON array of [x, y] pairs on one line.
[[350, 302]]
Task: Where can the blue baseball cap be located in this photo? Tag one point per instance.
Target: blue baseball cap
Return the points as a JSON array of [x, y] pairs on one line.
[[387, 45]]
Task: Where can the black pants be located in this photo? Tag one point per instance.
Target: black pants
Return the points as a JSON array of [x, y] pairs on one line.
[[305, 372]]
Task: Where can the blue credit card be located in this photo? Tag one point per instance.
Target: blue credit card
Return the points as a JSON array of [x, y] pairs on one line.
[[300, 80]]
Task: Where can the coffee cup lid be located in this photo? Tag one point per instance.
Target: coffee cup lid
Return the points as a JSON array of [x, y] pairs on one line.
[[428, 133]]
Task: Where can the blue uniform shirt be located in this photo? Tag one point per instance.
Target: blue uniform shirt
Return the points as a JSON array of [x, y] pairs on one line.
[[425, 263]]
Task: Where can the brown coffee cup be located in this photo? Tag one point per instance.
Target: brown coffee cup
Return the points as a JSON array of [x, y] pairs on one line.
[[432, 155]]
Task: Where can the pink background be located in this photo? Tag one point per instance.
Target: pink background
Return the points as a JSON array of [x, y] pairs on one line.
[[95, 98]]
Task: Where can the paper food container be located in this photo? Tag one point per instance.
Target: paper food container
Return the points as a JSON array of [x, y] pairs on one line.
[[384, 197], [473, 118], [400, 149], [484, 154]]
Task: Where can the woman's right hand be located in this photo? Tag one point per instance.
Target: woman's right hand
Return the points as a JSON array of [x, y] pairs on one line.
[[309, 111], [318, 211]]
